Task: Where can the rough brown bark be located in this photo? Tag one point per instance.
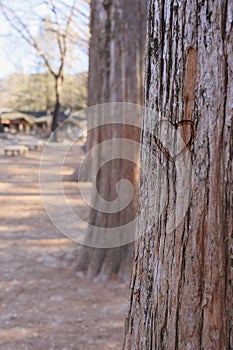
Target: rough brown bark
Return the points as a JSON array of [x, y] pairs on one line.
[[182, 282], [117, 49]]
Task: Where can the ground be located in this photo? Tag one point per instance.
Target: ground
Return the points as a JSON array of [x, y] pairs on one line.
[[44, 302]]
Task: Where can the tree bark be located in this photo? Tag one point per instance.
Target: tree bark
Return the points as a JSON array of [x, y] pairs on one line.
[[117, 49], [181, 294]]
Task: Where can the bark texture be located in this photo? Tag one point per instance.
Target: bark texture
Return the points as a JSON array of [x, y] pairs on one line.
[[117, 52], [182, 283]]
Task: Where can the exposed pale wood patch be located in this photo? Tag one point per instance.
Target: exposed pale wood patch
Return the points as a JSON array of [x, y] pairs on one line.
[[189, 83]]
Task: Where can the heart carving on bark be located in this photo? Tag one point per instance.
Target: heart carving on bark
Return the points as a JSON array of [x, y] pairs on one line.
[[168, 140]]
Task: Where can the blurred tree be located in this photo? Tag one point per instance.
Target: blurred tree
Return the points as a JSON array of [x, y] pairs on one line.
[[57, 36], [117, 48], [182, 282], [35, 92], [75, 91]]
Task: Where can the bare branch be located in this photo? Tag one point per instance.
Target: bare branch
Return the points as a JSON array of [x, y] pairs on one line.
[[76, 10], [24, 32], [64, 37], [58, 32]]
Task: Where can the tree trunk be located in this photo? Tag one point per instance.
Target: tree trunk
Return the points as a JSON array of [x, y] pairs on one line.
[[117, 48], [182, 281], [58, 91]]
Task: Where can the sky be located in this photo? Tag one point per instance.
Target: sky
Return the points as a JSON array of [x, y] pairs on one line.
[[16, 55], [5, 65]]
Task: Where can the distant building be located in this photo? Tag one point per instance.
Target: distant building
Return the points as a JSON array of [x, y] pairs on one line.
[[17, 121], [41, 122], [25, 121]]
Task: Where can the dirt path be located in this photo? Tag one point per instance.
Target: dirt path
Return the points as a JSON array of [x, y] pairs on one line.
[[44, 303]]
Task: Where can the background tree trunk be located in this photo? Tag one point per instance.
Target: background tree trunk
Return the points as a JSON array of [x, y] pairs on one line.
[[117, 49], [182, 281], [58, 92]]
